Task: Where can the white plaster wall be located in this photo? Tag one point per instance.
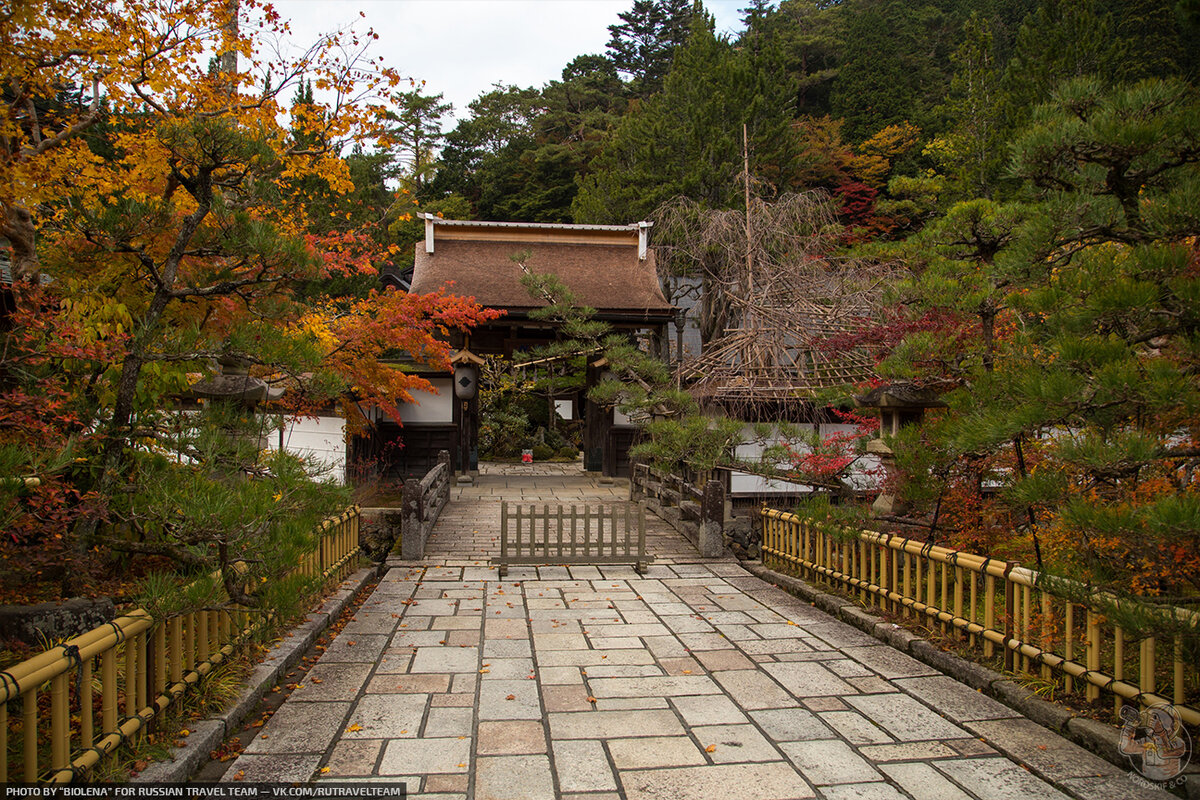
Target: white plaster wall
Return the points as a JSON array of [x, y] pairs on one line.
[[861, 476], [431, 408], [322, 438]]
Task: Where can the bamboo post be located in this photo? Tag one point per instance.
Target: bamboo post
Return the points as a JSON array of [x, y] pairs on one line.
[[108, 690], [945, 587], [958, 599], [1010, 618], [784, 537], [930, 581], [1177, 695], [214, 632], [141, 676], [764, 525], [863, 572], [29, 727], [781, 538], [1147, 664], [845, 553], [792, 538], [130, 678], [989, 610], [881, 562], [1047, 633], [175, 630], [3, 743], [827, 554], [87, 723], [1069, 645], [189, 643], [1026, 603], [1118, 665], [203, 640], [1093, 652], [60, 730], [158, 680], [907, 582], [894, 586]]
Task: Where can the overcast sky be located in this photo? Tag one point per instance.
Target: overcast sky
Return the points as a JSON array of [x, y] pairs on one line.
[[461, 47]]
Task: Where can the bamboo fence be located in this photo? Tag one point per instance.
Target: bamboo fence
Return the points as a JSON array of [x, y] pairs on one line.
[[1002, 609], [107, 685]]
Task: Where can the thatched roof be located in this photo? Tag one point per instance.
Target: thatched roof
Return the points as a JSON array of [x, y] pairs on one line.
[[603, 265]]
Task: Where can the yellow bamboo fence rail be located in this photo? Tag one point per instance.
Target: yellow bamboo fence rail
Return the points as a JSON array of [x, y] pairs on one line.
[[105, 686], [1000, 608]]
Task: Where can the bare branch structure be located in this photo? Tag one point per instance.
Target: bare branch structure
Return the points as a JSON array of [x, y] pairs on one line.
[[773, 291]]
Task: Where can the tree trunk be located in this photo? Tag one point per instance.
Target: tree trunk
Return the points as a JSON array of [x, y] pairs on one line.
[[17, 227], [987, 323]]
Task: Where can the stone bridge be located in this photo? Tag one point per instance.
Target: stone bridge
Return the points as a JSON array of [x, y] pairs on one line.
[[695, 680]]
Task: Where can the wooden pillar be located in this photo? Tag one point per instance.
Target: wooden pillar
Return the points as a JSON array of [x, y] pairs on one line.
[[609, 462], [472, 434], [457, 463], [712, 521], [596, 425]]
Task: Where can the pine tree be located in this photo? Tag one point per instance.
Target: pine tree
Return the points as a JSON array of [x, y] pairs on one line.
[[643, 43], [478, 155], [418, 132], [972, 153], [894, 60], [1085, 411], [579, 114], [1060, 40], [687, 140]]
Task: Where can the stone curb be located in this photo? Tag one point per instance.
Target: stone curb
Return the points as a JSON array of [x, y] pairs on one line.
[[206, 735], [1093, 736]]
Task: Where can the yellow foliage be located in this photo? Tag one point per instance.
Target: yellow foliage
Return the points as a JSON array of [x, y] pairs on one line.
[[873, 162]]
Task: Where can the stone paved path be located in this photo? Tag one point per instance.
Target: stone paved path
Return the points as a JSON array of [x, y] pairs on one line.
[[696, 680]]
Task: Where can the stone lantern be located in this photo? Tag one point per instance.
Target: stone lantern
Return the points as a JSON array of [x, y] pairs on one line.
[[235, 385], [900, 404]]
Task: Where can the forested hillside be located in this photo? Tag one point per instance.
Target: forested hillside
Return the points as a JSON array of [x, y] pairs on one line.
[[1027, 167], [896, 106]]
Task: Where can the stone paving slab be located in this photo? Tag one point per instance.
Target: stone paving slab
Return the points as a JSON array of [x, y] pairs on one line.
[[694, 681]]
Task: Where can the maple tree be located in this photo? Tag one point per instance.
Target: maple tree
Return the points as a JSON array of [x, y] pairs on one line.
[[170, 206]]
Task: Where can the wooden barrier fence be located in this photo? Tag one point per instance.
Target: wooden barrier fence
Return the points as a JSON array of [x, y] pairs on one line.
[[696, 513], [107, 685], [421, 505], [613, 534], [1000, 606]]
